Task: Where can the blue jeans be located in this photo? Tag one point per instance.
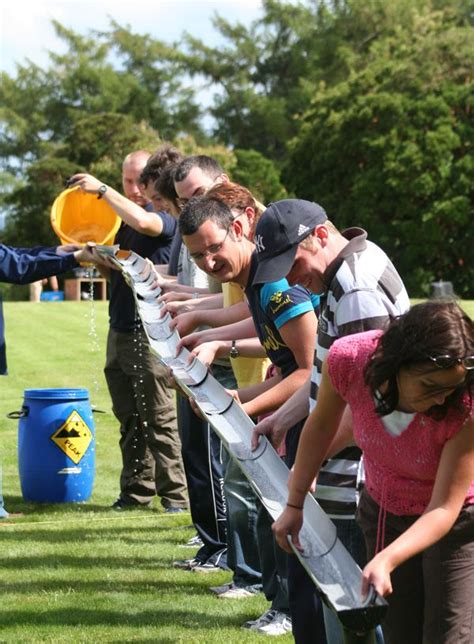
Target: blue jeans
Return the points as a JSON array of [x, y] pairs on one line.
[[242, 552]]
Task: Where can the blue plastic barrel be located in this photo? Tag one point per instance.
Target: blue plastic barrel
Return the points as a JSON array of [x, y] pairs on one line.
[[56, 446]]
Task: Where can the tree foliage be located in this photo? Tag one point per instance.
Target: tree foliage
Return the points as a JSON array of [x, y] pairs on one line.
[[390, 149], [266, 74]]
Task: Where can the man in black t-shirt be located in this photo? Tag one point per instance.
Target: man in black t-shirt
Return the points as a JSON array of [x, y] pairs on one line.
[[141, 398]]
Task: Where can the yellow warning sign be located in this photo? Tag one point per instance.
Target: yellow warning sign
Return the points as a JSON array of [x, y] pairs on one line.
[[73, 437]]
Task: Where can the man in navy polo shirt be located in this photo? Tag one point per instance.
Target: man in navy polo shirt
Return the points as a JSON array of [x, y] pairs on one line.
[[141, 398]]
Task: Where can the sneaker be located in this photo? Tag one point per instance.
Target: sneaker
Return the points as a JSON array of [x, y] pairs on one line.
[[173, 509], [280, 625], [221, 589], [263, 620], [239, 592], [206, 567], [194, 542], [187, 564]]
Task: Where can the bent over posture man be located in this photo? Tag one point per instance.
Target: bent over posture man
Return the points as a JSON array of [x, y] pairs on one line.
[[361, 290], [284, 317]]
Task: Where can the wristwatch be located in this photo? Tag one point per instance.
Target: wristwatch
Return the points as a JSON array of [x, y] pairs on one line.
[[234, 352], [101, 191]]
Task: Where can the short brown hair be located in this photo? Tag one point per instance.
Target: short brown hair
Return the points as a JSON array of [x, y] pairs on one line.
[[233, 195]]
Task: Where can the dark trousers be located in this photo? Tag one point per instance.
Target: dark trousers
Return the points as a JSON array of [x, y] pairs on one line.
[[305, 606], [144, 405], [242, 551], [433, 593], [274, 562], [202, 457]]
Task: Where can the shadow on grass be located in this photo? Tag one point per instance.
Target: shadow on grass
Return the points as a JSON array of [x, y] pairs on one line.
[[30, 508], [56, 561], [187, 619], [100, 532], [69, 586]]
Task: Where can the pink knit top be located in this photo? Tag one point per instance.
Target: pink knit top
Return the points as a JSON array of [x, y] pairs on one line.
[[400, 470]]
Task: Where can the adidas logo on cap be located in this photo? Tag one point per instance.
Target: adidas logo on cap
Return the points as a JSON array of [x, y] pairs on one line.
[[302, 230]]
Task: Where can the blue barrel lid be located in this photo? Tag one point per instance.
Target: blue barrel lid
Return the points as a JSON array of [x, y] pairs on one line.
[[57, 394]]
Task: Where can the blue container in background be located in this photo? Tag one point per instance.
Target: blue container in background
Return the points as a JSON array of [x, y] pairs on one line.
[[56, 446], [52, 296]]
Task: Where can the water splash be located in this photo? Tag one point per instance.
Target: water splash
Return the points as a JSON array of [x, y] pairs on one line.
[[94, 346]]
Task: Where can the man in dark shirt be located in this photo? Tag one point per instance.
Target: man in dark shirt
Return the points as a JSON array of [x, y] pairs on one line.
[[141, 398]]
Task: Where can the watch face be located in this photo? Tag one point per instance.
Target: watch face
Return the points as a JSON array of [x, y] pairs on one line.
[[234, 352]]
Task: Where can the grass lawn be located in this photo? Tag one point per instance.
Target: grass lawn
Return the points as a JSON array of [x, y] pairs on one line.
[[82, 572]]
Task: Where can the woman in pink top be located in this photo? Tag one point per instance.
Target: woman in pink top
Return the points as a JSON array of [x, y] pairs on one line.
[[410, 391]]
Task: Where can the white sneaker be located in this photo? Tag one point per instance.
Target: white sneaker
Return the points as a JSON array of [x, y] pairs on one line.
[[238, 592], [280, 625], [221, 589], [194, 542], [263, 620]]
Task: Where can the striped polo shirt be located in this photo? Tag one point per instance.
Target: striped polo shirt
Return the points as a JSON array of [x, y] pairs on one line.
[[363, 291]]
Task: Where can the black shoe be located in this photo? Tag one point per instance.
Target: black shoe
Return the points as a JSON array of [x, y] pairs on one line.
[[120, 504]]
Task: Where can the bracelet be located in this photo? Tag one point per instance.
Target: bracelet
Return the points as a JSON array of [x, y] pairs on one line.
[[296, 507]]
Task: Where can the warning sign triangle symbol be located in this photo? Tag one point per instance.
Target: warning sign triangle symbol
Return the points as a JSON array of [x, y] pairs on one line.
[[73, 437]]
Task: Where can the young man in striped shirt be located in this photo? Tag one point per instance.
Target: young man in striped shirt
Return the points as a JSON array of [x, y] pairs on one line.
[[360, 290]]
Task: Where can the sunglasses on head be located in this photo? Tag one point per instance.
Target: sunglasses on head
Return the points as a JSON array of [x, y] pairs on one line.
[[447, 361]]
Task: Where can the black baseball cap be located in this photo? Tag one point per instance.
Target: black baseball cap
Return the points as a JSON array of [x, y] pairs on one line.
[[283, 225]]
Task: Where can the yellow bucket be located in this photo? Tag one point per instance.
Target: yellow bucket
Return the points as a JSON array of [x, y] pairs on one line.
[[79, 217]]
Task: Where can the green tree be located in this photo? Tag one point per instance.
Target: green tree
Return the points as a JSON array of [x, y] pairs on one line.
[[259, 175], [390, 149], [96, 144], [43, 106], [267, 74]]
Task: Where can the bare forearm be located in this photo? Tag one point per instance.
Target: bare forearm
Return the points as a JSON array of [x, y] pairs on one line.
[[274, 397], [212, 303], [238, 330], [218, 317], [247, 394], [171, 285], [147, 223], [295, 408], [312, 449], [427, 530]]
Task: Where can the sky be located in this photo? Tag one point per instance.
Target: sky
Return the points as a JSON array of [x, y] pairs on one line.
[[26, 30]]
